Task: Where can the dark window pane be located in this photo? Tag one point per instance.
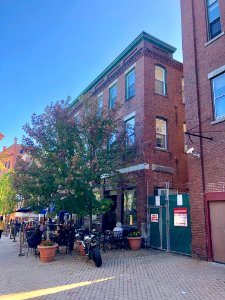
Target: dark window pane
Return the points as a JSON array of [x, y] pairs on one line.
[[160, 140], [215, 28]]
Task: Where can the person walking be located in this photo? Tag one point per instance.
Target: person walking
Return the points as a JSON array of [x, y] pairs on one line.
[[2, 226]]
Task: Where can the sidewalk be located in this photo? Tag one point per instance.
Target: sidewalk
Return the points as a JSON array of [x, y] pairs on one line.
[[146, 274]]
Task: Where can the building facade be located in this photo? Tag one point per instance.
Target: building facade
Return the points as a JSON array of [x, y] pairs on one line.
[[147, 81], [9, 155], [203, 24]]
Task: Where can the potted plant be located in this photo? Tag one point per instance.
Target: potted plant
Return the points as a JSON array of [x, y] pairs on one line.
[[47, 251], [134, 239]]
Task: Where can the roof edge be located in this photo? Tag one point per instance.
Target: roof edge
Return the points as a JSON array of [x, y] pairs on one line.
[[141, 37]]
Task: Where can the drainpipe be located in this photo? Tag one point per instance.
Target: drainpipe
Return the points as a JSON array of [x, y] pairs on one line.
[[199, 116]]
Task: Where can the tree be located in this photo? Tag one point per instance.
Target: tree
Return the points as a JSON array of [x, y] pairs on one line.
[[68, 159], [7, 194]]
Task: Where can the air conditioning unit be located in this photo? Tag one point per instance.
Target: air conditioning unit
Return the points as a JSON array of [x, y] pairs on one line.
[[162, 192]]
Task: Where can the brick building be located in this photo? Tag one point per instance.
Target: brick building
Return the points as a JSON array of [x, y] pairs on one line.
[[148, 82], [203, 23], [9, 155]]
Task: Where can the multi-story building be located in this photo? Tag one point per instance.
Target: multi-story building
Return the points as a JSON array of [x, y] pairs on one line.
[[147, 81], [9, 155], [203, 23]]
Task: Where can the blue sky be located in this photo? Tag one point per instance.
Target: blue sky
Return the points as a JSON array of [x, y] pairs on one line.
[[52, 49]]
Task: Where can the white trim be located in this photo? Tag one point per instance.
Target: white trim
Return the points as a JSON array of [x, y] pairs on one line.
[[127, 117], [134, 168], [214, 39], [130, 68], [113, 83], [99, 95], [218, 120], [216, 72]]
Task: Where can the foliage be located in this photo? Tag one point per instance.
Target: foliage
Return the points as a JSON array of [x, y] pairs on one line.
[[70, 160], [47, 243], [7, 194], [134, 234]]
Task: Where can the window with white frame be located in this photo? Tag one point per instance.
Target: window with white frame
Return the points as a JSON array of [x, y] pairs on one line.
[[160, 80], [100, 104], [218, 85], [112, 96], [77, 118], [182, 90], [185, 136], [112, 140], [161, 133], [130, 84], [130, 131], [214, 22]]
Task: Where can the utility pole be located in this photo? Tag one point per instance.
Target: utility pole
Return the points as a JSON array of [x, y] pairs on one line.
[[167, 216]]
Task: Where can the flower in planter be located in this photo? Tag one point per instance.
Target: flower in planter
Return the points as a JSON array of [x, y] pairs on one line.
[[134, 234], [47, 243]]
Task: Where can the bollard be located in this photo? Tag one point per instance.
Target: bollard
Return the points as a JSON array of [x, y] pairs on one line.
[[14, 234], [21, 243], [10, 232]]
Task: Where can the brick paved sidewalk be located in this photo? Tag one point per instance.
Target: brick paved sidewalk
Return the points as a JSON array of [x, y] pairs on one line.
[[146, 274]]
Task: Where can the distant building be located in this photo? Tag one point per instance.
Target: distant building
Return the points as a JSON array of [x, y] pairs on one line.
[[203, 23], [9, 155], [148, 82]]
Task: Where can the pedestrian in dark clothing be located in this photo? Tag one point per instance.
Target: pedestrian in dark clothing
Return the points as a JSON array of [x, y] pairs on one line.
[[35, 239]]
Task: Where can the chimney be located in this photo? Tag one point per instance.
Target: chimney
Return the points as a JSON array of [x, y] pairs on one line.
[[15, 140]]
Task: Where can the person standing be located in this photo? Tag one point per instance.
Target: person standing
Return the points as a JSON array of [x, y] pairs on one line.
[[2, 226]]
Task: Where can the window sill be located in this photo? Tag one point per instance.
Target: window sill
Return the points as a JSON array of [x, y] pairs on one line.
[[166, 96], [219, 120], [214, 39], [162, 149], [130, 98]]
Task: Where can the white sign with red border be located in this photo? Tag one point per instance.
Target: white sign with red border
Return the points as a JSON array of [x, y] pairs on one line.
[[180, 217], [154, 218]]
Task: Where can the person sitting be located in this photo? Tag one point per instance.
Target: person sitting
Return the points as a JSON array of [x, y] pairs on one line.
[[35, 239], [118, 235]]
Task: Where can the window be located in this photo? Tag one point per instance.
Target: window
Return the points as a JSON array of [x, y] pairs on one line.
[[100, 104], [112, 140], [112, 96], [182, 90], [214, 26], [161, 133], [130, 84], [160, 80], [130, 207], [185, 136], [77, 118], [130, 128], [218, 84]]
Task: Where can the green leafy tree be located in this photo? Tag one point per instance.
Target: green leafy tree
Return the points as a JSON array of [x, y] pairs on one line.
[[68, 159], [7, 194]]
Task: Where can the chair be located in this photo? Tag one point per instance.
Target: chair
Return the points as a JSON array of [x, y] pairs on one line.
[[117, 240]]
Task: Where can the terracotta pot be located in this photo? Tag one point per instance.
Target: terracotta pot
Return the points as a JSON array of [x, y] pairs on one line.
[[47, 253], [81, 248], [134, 243]]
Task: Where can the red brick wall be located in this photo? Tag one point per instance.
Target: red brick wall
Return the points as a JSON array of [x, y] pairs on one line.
[[207, 173], [147, 105]]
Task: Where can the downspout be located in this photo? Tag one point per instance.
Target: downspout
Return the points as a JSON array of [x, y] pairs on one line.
[[199, 118]]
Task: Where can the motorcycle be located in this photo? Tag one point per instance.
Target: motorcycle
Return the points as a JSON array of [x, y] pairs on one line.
[[91, 247]]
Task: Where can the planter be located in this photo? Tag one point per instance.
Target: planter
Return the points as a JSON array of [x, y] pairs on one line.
[[81, 248], [134, 243], [47, 253]]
